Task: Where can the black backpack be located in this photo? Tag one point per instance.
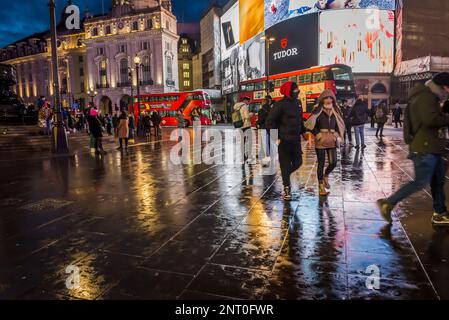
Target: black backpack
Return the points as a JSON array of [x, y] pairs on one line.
[[409, 134]]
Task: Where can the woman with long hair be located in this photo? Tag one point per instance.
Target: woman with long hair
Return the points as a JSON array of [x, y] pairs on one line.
[[327, 125]]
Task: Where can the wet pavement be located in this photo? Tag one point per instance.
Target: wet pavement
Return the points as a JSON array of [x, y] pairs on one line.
[[138, 227]]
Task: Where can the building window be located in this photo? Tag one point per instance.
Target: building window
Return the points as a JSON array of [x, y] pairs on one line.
[[124, 75], [185, 49], [81, 59], [108, 29], [146, 69], [135, 25], [167, 25], [184, 41], [122, 48], [149, 24], [186, 75], [103, 74], [186, 66], [82, 86], [100, 51], [94, 32], [81, 72], [169, 68], [144, 46], [186, 83]]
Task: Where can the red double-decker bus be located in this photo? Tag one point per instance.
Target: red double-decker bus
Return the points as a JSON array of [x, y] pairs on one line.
[[168, 104], [311, 82]]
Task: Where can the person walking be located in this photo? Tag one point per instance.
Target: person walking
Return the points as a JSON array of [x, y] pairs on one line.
[[96, 131], [146, 124], [156, 120], [286, 115], [262, 125], [397, 115], [372, 114], [123, 130], [181, 124], [381, 117], [346, 112], [359, 115], [241, 119], [115, 121], [108, 121], [327, 125], [131, 125], [425, 128]]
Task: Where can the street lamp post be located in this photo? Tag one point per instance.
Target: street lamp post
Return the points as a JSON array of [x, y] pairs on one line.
[[60, 143], [92, 94], [137, 62], [268, 42], [133, 106]]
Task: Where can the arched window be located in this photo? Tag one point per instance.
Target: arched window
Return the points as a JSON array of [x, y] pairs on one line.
[[146, 70], [169, 67], [379, 88], [150, 24], [124, 73], [103, 74]]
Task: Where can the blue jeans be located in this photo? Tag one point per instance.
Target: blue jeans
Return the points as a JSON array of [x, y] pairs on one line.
[[359, 132], [48, 125], [429, 169]]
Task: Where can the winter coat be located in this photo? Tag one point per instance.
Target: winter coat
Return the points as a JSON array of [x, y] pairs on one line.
[[123, 129], [286, 115], [262, 116], [95, 127], [384, 118], [346, 112], [359, 113], [397, 114], [244, 112], [327, 128], [428, 122]]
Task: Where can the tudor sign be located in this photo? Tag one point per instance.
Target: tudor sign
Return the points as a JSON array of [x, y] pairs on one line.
[[296, 44]]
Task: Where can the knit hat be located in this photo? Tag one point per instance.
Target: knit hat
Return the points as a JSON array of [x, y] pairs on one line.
[[441, 79], [288, 88]]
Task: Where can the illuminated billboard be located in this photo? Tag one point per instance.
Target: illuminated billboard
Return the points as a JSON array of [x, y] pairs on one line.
[[230, 49], [251, 15], [251, 59], [294, 44], [362, 39], [279, 10]]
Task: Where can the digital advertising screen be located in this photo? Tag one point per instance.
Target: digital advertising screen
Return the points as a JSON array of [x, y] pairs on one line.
[[230, 34], [361, 39], [280, 10], [294, 44], [251, 56], [251, 14]]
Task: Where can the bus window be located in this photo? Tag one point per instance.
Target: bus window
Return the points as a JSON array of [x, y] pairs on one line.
[[293, 79], [250, 87], [284, 80], [340, 73], [278, 83], [301, 79], [319, 76], [307, 78], [254, 107], [259, 85]]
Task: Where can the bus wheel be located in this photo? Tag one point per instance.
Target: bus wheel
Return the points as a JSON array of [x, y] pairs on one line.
[[187, 124]]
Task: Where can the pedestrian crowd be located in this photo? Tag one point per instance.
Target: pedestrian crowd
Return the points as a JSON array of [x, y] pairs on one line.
[[332, 123]]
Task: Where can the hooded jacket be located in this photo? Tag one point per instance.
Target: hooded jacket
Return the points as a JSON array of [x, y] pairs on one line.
[[427, 121], [244, 112], [286, 115], [359, 113], [320, 121]]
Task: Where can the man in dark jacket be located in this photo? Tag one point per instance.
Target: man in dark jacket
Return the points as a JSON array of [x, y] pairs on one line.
[[346, 112], [286, 116], [262, 125], [428, 124], [359, 116], [397, 114], [156, 120]]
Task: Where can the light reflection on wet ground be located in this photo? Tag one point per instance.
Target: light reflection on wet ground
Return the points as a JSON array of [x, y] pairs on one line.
[[139, 227]]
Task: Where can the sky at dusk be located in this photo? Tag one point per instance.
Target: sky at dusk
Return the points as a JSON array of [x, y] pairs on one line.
[[23, 18]]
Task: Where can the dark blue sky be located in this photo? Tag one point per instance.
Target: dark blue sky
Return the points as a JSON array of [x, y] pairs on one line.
[[21, 18]]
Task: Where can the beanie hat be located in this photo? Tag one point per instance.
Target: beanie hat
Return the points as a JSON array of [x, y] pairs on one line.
[[441, 79]]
